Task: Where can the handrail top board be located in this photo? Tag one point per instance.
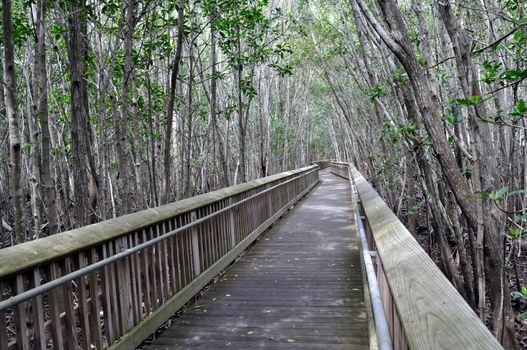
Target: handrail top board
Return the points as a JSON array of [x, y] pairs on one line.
[[29, 254], [433, 313]]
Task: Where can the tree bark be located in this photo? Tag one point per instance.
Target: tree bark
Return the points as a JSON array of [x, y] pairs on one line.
[[46, 177], [79, 114], [216, 138], [15, 155], [165, 185], [491, 219], [398, 42], [122, 143]]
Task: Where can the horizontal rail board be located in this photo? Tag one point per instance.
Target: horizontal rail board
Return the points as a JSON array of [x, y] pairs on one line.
[[431, 311], [24, 256]]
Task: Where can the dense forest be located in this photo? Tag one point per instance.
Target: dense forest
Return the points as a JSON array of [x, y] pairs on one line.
[[110, 107]]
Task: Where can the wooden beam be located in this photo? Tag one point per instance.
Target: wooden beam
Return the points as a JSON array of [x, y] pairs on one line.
[[24, 256], [432, 312]]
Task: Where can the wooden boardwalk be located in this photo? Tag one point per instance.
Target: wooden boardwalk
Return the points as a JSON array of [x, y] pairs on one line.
[[298, 287]]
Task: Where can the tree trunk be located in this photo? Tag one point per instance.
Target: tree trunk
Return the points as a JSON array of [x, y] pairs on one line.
[[122, 142], [79, 114], [398, 42], [165, 185], [46, 177], [486, 162], [188, 148], [15, 155], [216, 138]]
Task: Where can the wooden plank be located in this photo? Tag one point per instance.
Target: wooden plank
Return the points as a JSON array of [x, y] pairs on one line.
[[133, 276], [39, 335], [54, 310], [22, 339], [133, 338], [84, 311], [95, 305], [171, 257], [24, 256], [430, 309], [232, 225], [138, 302], [292, 300], [70, 320], [159, 268], [3, 325], [108, 300], [124, 287], [152, 261], [196, 254], [145, 263]]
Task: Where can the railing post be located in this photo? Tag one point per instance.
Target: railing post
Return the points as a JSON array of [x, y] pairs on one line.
[[232, 224], [195, 246], [124, 285], [269, 203]]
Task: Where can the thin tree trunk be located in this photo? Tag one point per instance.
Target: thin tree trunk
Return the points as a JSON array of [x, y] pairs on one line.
[[188, 148], [15, 155], [47, 182], [79, 113], [165, 185], [122, 143], [216, 138]]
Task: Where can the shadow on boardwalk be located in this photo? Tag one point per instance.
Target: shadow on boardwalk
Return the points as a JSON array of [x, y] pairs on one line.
[[299, 286]]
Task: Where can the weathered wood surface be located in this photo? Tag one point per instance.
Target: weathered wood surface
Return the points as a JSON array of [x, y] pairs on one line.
[[24, 256], [299, 287], [119, 304], [432, 313]]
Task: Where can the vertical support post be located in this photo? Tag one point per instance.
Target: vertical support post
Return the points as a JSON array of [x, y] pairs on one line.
[[232, 224], [195, 246], [3, 327], [269, 202], [124, 286], [39, 335]]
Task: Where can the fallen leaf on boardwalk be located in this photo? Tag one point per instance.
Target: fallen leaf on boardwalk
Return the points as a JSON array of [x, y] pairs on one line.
[[250, 332], [291, 340], [227, 295]]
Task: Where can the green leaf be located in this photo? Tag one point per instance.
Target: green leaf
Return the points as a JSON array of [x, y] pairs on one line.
[[516, 192], [463, 102], [520, 109], [467, 173], [522, 316], [516, 295], [475, 99], [514, 232], [497, 195], [471, 101], [414, 209], [501, 192]]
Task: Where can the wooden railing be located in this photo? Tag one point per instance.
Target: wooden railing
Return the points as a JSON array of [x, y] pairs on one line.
[[112, 284], [423, 309]]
